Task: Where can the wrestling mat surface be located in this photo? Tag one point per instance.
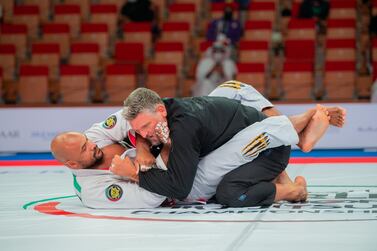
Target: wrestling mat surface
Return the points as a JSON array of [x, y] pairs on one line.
[[39, 211]]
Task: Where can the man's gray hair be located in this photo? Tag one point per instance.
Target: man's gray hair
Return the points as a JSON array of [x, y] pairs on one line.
[[140, 100]]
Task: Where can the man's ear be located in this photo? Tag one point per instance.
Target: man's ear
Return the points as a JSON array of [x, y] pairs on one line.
[[72, 164], [162, 110]]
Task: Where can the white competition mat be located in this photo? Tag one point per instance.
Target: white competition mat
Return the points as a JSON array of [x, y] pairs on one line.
[[39, 211]]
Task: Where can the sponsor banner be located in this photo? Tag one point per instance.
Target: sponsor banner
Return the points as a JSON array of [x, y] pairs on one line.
[[31, 129]]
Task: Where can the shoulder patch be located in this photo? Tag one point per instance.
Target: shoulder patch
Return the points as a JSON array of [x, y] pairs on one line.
[[110, 122], [114, 192]]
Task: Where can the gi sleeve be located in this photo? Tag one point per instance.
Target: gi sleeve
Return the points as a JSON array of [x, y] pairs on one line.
[[242, 92], [109, 192], [114, 129], [182, 164]]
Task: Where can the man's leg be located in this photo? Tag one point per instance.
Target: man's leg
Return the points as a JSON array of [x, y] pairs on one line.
[[253, 184]]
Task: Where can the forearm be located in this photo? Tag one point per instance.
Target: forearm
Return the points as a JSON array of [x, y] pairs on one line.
[[271, 111]]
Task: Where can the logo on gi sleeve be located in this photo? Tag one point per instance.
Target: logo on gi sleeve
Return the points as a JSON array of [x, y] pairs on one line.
[[110, 122], [256, 145], [114, 192]]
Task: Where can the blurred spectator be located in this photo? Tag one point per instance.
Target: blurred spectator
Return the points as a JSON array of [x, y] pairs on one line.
[[138, 11], [314, 9], [225, 25], [141, 11], [373, 26], [214, 68]]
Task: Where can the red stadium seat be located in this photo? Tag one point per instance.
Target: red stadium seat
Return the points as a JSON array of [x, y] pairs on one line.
[[340, 50], [29, 16], [105, 13], [129, 53], [85, 54], [139, 32], [341, 29], [46, 54], [57, 33], [301, 29], [15, 34], [258, 30], [69, 14], [183, 12], [33, 84], [74, 83], [262, 11], [253, 74], [120, 81], [44, 8], [169, 53], [300, 50], [162, 78], [84, 7], [176, 32], [8, 61], [297, 81], [253, 52], [96, 33], [339, 79], [342, 9]]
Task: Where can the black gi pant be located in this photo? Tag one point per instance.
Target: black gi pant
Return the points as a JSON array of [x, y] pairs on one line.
[[251, 184]]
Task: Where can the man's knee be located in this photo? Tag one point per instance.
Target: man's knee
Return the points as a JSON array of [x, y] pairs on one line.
[[231, 195]]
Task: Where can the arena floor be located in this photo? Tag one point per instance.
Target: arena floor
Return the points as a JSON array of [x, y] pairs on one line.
[[39, 211]]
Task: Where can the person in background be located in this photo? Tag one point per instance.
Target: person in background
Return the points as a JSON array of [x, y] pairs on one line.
[[225, 25], [141, 11], [215, 67]]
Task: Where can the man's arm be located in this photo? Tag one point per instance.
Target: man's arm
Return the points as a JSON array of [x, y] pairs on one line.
[[182, 164], [113, 129], [143, 154], [105, 191]]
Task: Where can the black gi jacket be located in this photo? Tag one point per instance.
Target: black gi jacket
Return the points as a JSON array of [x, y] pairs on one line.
[[197, 126]]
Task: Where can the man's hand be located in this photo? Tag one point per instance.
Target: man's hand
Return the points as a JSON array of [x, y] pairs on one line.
[[125, 168], [144, 157], [162, 132]]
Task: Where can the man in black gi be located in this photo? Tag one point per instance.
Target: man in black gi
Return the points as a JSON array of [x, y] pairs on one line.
[[200, 125]]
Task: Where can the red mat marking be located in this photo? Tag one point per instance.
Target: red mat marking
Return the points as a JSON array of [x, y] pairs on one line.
[[295, 160], [50, 208]]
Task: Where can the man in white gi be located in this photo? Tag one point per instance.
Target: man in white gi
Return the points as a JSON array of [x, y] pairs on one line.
[[100, 189]]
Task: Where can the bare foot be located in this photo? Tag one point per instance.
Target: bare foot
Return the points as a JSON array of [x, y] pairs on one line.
[[300, 181], [315, 129], [290, 192], [283, 178], [337, 115], [300, 121]]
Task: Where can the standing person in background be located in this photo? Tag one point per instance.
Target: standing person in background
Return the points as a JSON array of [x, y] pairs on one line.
[[215, 67], [226, 25]]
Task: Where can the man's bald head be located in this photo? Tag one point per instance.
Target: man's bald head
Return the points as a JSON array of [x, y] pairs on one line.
[[74, 150]]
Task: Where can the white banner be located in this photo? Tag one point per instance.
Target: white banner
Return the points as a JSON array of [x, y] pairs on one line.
[[31, 129]]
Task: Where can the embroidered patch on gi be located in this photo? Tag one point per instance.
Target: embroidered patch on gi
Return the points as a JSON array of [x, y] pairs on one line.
[[257, 145], [110, 122], [232, 84], [114, 192]]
